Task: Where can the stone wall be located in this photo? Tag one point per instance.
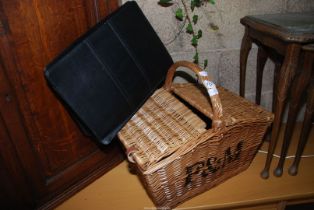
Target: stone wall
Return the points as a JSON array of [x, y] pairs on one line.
[[222, 47]]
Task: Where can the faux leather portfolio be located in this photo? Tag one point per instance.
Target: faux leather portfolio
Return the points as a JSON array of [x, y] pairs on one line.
[[107, 75]]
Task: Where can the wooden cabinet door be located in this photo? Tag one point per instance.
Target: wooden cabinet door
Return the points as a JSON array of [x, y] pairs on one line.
[[54, 153]]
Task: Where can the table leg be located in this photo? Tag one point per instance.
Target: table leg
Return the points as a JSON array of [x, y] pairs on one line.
[[275, 84], [244, 53], [287, 72], [297, 91], [261, 61], [307, 124]]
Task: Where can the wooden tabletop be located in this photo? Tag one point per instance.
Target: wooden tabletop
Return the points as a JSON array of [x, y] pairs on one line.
[[292, 27], [119, 189]]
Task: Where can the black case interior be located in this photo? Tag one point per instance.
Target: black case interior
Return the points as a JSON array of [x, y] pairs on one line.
[[107, 75]]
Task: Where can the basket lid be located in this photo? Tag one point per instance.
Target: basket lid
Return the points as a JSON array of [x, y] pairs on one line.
[[106, 76], [236, 109]]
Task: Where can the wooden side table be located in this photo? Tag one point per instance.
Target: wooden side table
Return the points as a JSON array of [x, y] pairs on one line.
[[304, 84], [298, 89], [281, 37]]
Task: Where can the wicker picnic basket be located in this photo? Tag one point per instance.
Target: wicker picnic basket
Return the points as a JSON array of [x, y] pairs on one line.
[[181, 141], [176, 153]]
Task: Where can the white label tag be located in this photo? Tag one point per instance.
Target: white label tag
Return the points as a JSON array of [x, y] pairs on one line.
[[203, 73], [211, 88]]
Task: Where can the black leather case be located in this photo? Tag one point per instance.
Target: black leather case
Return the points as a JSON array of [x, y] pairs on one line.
[[107, 75]]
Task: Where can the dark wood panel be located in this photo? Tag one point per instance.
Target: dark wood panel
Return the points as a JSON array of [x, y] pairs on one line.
[[41, 30], [13, 120], [91, 168], [45, 150], [13, 179], [12, 176], [105, 7]]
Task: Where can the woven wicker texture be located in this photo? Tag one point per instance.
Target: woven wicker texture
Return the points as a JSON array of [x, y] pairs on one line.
[[160, 127], [235, 109], [176, 156], [209, 163]]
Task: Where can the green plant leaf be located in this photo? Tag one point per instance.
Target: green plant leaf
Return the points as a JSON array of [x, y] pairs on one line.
[[212, 1], [205, 63], [194, 41], [165, 3], [189, 28], [197, 3], [195, 58], [179, 14], [199, 33], [192, 20], [214, 26], [195, 19], [193, 4]]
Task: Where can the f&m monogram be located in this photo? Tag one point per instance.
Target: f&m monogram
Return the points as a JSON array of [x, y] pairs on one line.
[[213, 164]]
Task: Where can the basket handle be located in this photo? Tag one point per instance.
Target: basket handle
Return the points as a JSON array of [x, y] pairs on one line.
[[208, 84]]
